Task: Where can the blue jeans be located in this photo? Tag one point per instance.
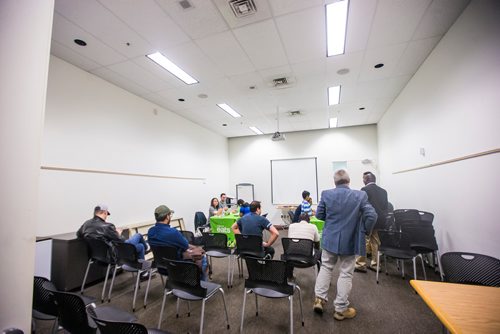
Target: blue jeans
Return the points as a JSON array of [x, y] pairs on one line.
[[140, 244]]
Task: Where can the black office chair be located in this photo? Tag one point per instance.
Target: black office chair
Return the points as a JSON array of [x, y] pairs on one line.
[[291, 216], [247, 245], [118, 324], [397, 246], [299, 253], [99, 253], [423, 241], [200, 222], [267, 278], [190, 237], [126, 257], [160, 255], [471, 268], [184, 283], [296, 214], [216, 246], [44, 307]]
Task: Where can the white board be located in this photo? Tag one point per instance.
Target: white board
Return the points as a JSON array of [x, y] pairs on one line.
[[289, 177]]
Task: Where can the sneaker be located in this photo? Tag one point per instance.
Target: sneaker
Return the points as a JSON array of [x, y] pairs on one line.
[[145, 276], [347, 314], [360, 269], [148, 248], [319, 303], [374, 268]]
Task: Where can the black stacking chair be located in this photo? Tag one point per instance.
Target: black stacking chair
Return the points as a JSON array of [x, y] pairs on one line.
[[200, 222], [99, 253], [190, 237], [296, 214], [126, 257], [423, 241], [119, 324], [216, 246], [471, 268], [397, 246], [291, 216], [299, 253], [160, 255], [184, 283], [267, 278], [247, 245], [44, 307]]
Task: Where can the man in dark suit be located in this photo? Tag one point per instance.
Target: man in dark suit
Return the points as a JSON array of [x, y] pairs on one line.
[[377, 197], [348, 218]]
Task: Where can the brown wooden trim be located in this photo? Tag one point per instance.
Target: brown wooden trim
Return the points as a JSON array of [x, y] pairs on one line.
[[94, 171], [470, 156]]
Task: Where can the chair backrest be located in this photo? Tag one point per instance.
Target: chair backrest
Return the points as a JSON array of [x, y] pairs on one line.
[[199, 219], [422, 238], [249, 245], [293, 247], [296, 214], [185, 276], [471, 268], [270, 274], [71, 311], [394, 240], [42, 300], [99, 250], [189, 236], [291, 215], [426, 217], [161, 254], [215, 241], [126, 254], [113, 327]]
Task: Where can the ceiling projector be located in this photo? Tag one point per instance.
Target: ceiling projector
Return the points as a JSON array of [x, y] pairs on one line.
[[278, 136]]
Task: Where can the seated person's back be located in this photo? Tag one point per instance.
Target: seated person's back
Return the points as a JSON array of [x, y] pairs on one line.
[[304, 230]]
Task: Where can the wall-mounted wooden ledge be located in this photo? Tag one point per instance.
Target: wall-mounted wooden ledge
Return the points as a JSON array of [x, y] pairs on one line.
[[95, 171], [470, 156]]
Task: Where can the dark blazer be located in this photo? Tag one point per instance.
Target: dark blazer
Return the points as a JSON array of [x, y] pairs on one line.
[[377, 197]]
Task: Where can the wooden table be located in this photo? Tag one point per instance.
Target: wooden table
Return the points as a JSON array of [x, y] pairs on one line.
[[462, 308]]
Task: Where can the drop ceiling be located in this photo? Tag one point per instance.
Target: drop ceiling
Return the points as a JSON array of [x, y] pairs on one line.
[[237, 59]]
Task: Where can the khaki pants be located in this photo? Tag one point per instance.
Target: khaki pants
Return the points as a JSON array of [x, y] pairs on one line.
[[372, 243]]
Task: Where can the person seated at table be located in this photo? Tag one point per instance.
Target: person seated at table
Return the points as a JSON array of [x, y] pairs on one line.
[[305, 230], [239, 203], [161, 234], [253, 224], [223, 202], [215, 209], [244, 209]]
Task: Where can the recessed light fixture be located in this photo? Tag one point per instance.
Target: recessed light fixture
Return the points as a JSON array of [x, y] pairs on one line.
[[333, 95], [202, 96], [257, 131], [379, 65], [361, 108], [343, 71], [80, 42], [228, 109], [336, 26], [181, 100], [333, 122], [224, 124], [172, 68]]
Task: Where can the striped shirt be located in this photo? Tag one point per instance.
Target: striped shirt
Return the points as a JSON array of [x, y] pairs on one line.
[[306, 208]]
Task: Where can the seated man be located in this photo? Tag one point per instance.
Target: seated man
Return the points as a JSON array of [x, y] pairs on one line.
[[306, 230], [161, 234], [253, 224], [98, 228]]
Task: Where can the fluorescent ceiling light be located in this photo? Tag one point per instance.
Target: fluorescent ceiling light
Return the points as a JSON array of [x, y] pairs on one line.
[[257, 131], [228, 109], [336, 25], [333, 122], [172, 68], [333, 95]]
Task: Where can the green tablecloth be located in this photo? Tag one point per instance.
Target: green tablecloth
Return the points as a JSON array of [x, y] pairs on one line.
[[319, 224], [222, 224]]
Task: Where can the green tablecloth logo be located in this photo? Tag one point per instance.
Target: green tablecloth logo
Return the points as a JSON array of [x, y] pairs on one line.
[[222, 229]]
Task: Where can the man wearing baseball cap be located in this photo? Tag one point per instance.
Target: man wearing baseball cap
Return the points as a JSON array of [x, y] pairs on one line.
[[98, 228]]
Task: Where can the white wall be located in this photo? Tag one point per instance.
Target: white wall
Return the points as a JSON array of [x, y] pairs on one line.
[[249, 158], [451, 108], [92, 124]]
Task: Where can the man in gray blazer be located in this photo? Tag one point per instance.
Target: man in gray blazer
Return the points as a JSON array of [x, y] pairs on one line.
[[348, 218]]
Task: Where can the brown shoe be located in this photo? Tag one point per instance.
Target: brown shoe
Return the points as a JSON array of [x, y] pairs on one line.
[[347, 314], [319, 303], [359, 269]]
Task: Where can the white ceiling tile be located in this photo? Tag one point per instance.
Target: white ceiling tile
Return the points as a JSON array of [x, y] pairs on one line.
[[313, 66], [269, 74], [415, 54], [396, 21], [224, 50], [296, 30], [63, 52], [263, 13], [120, 81], [262, 44], [201, 20], [64, 32], [384, 88], [136, 74], [359, 22], [389, 56], [281, 7], [350, 61], [91, 16], [161, 73], [438, 18], [149, 21], [243, 82]]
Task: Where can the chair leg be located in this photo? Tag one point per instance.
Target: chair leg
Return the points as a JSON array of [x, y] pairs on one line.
[[177, 308], [165, 293], [229, 271], [85, 276], [439, 265], [112, 282], [189, 308], [225, 308], [147, 288], [290, 299], [135, 289], [105, 283], [403, 269], [300, 303], [243, 309], [415, 267], [423, 266], [202, 315], [55, 326], [256, 305], [378, 265], [385, 265]]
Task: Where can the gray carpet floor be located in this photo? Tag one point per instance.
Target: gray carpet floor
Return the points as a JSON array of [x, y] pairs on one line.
[[388, 307]]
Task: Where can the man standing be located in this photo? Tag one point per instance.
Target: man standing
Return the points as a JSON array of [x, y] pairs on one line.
[[253, 224], [348, 217], [377, 197], [161, 234], [98, 228]]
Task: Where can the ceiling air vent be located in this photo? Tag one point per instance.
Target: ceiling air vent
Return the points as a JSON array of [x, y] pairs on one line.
[[185, 4], [242, 8], [294, 113], [282, 82]]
